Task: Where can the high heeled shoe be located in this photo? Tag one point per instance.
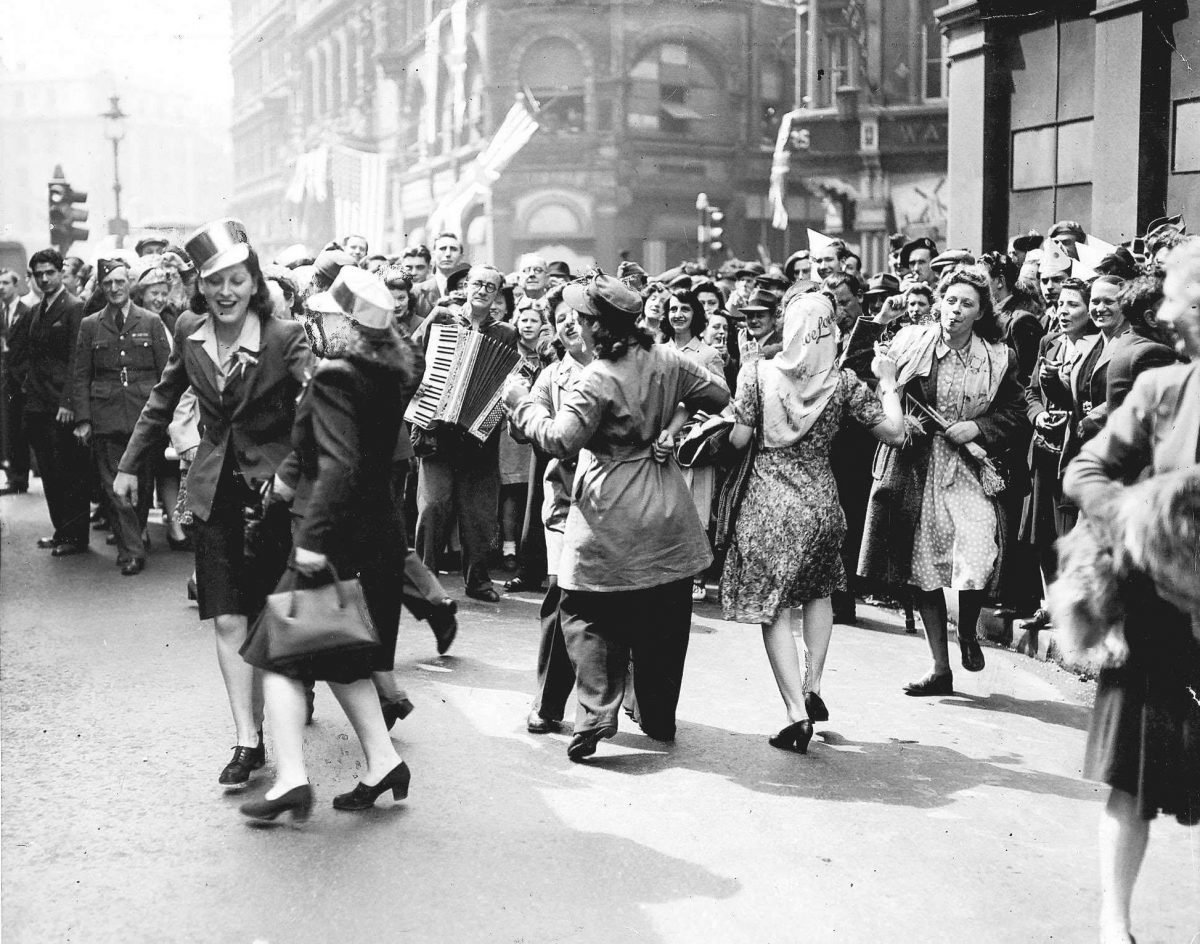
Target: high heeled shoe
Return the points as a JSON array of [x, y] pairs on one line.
[[794, 737], [363, 797], [394, 711], [814, 707], [298, 801]]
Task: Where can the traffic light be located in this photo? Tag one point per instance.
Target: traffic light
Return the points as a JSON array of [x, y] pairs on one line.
[[64, 214], [716, 231]]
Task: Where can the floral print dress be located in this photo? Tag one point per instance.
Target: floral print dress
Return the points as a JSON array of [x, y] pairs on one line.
[[787, 540]]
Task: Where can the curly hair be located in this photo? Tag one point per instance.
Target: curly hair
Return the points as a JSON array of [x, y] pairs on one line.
[[1138, 298], [615, 334], [260, 301], [986, 325]]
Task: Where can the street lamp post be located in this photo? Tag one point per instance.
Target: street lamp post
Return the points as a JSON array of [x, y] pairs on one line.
[[115, 131]]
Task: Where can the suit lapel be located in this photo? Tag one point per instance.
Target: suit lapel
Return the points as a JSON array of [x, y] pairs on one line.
[[194, 349]]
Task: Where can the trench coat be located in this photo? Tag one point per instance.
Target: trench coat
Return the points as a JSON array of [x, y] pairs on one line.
[[632, 524]]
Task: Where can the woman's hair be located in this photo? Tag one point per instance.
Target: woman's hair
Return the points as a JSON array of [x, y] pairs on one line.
[[615, 333], [712, 289], [1001, 266], [260, 301], [1105, 280], [985, 325], [396, 277], [699, 318], [1077, 285], [1137, 297]]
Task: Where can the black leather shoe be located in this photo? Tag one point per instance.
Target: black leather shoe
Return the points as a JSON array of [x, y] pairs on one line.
[[972, 655], [486, 594], [245, 761], [794, 737], [931, 685], [814, 707], [45, 543], [444, 623], [133, 568], [394, 711], [192, 593], [363, 797], [298, 801], [583, 744], [68, 548], [183, 544], [536, 724]]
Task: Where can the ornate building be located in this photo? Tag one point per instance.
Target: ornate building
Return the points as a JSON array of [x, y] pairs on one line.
[[369, 115]]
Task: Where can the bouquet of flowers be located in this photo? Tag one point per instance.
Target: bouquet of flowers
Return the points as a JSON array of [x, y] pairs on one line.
[[990, 477]]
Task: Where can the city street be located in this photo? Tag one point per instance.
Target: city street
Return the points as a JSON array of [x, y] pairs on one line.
[[944, 820]]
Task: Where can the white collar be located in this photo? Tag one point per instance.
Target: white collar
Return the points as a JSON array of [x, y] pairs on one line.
[[249, 340]]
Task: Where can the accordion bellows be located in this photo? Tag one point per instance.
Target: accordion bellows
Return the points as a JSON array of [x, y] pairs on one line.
[[464, 378]]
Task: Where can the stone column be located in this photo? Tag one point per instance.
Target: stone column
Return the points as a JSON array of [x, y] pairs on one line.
[[1131, 125]]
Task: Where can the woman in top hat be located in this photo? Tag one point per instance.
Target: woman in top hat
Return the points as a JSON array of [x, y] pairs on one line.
[[633, 540], [246, 369], [345, 437]]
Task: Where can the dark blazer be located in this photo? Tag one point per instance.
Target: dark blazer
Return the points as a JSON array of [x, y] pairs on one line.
[[253, 415], [1024, 334], [1133, 354], [41, 348], [115, 371], [896, 495]]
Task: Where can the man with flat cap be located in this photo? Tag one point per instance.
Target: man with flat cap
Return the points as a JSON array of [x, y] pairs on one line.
[[119, 357]]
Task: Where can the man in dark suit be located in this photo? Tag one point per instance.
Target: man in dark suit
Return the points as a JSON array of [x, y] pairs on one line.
[[447, 260], [120, 354], [44, 343], [14, 445]]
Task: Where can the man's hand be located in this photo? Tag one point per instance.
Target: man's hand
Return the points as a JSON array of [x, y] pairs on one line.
[[125, 488], [891, 309], [664, 447], [83, 432], [516, 391], [65, 416]]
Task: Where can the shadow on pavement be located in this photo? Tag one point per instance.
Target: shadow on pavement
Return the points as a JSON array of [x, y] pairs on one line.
[[1051, 712]]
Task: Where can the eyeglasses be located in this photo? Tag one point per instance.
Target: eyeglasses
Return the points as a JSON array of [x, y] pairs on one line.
[[485, 286]]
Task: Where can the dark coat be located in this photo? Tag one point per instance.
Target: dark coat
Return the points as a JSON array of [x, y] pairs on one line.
[[115, 371], [253, 415], [1024, 334], [899, 482], [41, 347], [1132, 354]]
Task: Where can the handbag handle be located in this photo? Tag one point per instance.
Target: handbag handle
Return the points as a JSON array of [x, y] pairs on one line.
[[337, 589]]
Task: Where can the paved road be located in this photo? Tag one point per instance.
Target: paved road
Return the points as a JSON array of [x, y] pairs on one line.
[[958, 819]]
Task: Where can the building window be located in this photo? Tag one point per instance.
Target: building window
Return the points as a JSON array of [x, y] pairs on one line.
[[1052, 156], [551, 71], [933, 55], [1186, 150], [672, 92]]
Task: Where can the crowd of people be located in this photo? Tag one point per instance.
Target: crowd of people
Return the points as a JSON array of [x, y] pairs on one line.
[[795, 437]]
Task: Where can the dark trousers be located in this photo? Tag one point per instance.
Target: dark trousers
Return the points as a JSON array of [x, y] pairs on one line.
[[555, 674], [14, 444], [602, 630], [472, 493], [531, 557], [127, 521], [421, 590], [63, 464]]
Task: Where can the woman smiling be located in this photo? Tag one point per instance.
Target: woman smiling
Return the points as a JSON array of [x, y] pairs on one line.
[[246, 369]]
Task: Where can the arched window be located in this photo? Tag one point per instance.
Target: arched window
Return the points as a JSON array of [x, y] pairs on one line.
[[553, 219], [551, 70], [672, 91]]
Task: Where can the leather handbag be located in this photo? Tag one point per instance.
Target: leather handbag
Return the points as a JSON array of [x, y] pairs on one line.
[[729, 502], [300, 624], [705, 442]]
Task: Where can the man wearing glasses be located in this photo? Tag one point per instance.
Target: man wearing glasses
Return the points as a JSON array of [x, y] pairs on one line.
[[459, 476]]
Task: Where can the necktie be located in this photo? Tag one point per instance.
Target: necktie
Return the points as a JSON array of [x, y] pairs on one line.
[[120, 321]]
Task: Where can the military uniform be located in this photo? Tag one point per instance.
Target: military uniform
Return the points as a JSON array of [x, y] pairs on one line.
[[119, 357]]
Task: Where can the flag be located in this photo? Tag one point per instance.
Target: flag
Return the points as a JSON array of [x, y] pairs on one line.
[[781, 162], [358, 180], [477, 179]]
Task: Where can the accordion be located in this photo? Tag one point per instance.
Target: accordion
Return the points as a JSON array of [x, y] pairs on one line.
[[464, 376]]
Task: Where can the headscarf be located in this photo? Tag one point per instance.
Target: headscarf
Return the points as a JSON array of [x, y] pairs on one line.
[[798, 382]]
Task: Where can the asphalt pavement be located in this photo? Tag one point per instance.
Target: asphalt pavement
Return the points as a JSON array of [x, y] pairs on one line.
[[951, 819]]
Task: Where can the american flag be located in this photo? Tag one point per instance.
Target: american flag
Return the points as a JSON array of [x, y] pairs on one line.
[[513, 134], [359, 183]]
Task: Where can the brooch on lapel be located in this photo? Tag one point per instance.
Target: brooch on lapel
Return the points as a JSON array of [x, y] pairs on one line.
[[242, 360]]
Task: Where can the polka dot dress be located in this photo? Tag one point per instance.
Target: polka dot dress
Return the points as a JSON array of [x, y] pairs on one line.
[[955, 544]]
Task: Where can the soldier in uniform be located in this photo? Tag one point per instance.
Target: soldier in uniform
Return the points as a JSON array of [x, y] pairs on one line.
[[119, 357]]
